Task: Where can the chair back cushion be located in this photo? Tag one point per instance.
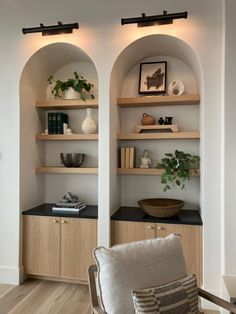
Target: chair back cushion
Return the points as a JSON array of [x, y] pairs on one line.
[[137, 265]]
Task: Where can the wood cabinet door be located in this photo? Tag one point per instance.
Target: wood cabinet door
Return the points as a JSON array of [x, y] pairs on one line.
[[127, 231], [78, 239], [41, 245], [192, 242]]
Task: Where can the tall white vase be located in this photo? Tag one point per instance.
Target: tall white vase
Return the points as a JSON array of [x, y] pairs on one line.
[[89, 126]]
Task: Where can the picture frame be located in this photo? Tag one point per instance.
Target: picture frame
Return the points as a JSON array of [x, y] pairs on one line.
[[152, 77]]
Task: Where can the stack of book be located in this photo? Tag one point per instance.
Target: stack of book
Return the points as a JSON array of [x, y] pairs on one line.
[[69, 207], [57, 122], [127, 157]]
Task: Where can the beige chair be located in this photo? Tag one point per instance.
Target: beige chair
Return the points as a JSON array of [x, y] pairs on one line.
[[138, 265]]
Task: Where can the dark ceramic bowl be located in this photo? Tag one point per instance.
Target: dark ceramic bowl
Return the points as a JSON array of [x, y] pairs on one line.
[[72, 159]]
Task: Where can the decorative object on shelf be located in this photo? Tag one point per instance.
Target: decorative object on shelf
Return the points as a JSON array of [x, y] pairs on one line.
[[177, 168], [78, 83], [147, 119], [52, 29], [176, 88], [72, 159], [156, 128], [69, 202], [68, 131], [164, 18], [168, 120], [161, 207], [145, 159], [70, 93], [70, 198], [161, 121], [89, 125], [152, 77]]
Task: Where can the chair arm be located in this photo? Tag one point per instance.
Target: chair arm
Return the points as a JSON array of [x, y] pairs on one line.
[[216, 300], [93, 291]]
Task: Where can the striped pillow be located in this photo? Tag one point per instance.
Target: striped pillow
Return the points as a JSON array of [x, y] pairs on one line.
[[177, 297]]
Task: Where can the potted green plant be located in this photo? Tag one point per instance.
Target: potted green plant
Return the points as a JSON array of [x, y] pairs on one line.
[[177, 169], [78, 84]]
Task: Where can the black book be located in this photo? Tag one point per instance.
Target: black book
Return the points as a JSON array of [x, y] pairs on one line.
[[60, 119], [54, 123], [50, 118]]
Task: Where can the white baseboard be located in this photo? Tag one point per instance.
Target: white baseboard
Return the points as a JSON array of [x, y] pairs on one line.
[[10, 275]]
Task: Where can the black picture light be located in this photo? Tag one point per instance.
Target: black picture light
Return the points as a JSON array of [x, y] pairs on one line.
[[60, 28], [164, 18]]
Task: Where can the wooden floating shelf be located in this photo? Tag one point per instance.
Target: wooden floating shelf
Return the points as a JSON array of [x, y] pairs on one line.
[[169, 127], [51, 104], [62, 170], [150, 171], [158, 136], [67, 137], [149, 101]]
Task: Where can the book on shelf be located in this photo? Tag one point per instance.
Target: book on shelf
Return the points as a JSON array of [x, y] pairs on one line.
[[57, 122], [50, 116], [127, 153], [127, 157], [54, 123], [122, 157], [66, 209], [61, 119], [132, 157]]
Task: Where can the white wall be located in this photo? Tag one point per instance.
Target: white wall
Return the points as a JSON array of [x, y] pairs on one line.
[[103, 39], [230, 149]]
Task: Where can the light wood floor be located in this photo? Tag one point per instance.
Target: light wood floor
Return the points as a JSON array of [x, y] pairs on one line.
[[44, 297], [47, 297]]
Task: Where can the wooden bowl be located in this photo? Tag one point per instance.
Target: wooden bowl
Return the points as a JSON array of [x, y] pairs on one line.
[[161, 207]]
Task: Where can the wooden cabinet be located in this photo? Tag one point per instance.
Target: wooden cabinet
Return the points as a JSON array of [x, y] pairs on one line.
[[126, 231], [59, 247], [41, 245], [78, 239]]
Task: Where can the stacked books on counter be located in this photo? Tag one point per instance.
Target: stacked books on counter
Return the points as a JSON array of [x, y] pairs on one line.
[[57, 122], [69, 207], [127, 157]]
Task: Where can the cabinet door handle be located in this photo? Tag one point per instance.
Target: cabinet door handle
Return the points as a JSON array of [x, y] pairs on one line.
[[150, 227], [55, 221], [64, 222], [160, 228]]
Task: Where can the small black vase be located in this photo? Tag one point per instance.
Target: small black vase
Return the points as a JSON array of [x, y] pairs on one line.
[[168, 120], [161, 121]]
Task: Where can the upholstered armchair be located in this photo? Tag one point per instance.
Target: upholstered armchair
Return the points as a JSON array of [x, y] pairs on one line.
[[146, 277]]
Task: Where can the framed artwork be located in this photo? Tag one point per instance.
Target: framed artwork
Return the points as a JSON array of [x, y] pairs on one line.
[[152, 77]]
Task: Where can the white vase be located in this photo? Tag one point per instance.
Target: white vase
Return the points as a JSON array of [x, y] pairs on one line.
[[70, 93], [89, 126]]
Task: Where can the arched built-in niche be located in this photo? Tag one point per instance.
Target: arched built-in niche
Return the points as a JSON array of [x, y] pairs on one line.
[[60, 60], [182, 64]]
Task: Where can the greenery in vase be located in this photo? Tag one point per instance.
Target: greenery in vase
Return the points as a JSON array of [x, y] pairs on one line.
[[78, 83], [177, 169]]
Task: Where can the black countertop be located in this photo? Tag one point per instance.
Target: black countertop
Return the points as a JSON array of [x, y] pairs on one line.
[[91, 212], [185, 217]]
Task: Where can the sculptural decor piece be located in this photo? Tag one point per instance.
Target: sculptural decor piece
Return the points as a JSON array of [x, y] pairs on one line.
[[152, 77], [147, 119], [176, 88], [145, 160]]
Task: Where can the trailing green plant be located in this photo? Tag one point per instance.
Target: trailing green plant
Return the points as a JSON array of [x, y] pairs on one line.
[[78, 83], [177, 168]]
